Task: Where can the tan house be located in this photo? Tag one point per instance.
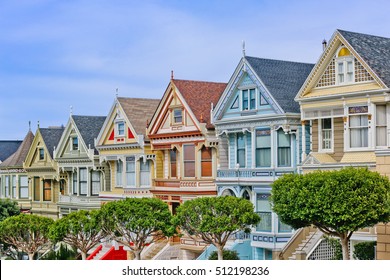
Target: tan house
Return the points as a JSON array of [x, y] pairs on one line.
[[123, 145], [345, 102], [42, 172], [13, 176]]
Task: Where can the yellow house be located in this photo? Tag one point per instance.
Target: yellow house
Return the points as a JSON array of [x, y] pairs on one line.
[[42, 172], [14, 177], [122, 144], [345, 108]]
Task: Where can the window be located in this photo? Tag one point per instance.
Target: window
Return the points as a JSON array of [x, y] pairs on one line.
[[326, 134], [345, 67], [284, 149], [130, 171], [23, 187], [284, 228], [358, 126], [263, 148], [121, 128], [75, 143], [13, 186], [263, 208], [207, 162], [173, 157], [177, 116], [235, 104], [240, 150], [189, 160], [41, 154], [95, 178], [249, 99], [83, 181], [74, 182], [119, 168], [47, 190], [381, 126], [37, 189], [145, 173], [6, 186]]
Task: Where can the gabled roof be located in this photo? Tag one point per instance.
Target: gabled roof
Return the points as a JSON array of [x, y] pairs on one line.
[[17, 158], [199, 95], [89, 128], [139, 111], [283, 79], [8, 147], [51, 136], [374, 50]]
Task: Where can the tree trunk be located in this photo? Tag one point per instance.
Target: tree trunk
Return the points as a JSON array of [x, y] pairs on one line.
[[344, 246], [137, 255], [31, 256], [83, 255], [220, 252]]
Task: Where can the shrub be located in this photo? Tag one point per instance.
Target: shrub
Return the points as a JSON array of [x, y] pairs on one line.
[[227, 255]]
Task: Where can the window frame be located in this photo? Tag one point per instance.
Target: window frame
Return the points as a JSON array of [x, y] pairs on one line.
[[238, 149], [206, 161], [47, 190], [75, 146], [174, 121], [249, 97], [119, 174], [289, 148], [321, 137], [94, 181], [263, 133], [173, 163], [344, 61], [131, 160], [83, 183], [41, 153], [187, 161], [349, 128], [118, 126], [384, 125], [23, 187], [144, 171]]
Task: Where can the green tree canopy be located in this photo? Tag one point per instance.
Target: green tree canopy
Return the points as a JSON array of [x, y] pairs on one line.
[[81, 229], [216, 219], [26, 233], [135, 222], [8, 208], [337, 202]]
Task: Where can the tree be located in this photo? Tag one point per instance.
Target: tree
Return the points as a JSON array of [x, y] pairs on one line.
[[337, 202], [365, 250], [81, 229], [135, 222], [8, 208], [227, 255], [26, 233], [216, 219]]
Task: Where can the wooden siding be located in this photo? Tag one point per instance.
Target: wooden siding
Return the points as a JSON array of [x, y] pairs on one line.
[[314, 135], [223, 152], [338, 138]]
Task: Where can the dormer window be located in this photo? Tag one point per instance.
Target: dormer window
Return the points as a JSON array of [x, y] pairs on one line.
[[248, 99], [177, 116], [75, 143], [344, 67], [41, 153], [120, 127]]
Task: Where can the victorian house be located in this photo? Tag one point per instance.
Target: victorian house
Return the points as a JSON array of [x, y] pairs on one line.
[[345, 102], [13, 177], [259, 132], [82, 176], [42, 172], [123, 145]]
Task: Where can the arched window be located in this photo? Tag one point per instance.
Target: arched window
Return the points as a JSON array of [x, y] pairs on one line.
[[227, 192], [245, 195]]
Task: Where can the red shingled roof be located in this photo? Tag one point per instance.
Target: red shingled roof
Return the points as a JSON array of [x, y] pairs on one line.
[[199, 96]]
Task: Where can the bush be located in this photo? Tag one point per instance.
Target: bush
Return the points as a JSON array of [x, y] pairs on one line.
[[227, 255], [63, 253], [365, 250]]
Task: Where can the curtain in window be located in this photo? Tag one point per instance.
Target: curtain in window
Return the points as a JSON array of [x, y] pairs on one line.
[[207, 166], [381, 125], [47, 190], [23, 187], [263, 208], [83, 181], [263, 148], [284, 149], [119, 168], [145, 173], [240, 149], [358, 131], [189, 160], [130, 172], [95, 182], [173, 156]]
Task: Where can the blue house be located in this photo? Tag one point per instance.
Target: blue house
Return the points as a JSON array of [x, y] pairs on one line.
[[258, 126]]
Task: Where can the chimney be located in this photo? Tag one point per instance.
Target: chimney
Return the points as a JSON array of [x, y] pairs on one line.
[[324, 45]]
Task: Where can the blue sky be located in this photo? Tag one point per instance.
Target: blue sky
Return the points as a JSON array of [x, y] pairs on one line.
[[57, 54]]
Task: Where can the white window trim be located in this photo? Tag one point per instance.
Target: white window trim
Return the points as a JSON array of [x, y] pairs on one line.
[[375, 126], [277, 150], [241, 98], [347, 146], [117, 130], [320, 149], [236, 150], [344, 60]]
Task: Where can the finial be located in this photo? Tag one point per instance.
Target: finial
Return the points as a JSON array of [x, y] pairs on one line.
[[38, 124], [243, 48], [171, 74], [116, 92], [201, 118], [71, 110], [324, 43], [29, 125]]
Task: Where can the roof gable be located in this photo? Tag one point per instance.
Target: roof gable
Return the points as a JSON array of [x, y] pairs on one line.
[[51, 137], [17, 158], [8, 147]]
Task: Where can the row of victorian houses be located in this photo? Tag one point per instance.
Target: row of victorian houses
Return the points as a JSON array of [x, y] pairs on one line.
[[214, 139]]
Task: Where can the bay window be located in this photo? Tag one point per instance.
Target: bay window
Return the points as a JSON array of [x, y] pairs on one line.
[[145, 173], [173, 162], [119, 170], [263, 148], [381, 126], [47, 190], [95, 181], [284, 148], [263, 208], [83, 183], [358, 126], [207, 162], [23, 187], [240, 149], [130, 171], [189, 160]]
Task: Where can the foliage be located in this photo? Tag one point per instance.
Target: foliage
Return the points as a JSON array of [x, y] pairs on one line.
[[365, 250], [134, 222], [26, 233], [8, 208], [336, 245], [215, 219], [227, 255], [337, 202], [81, 229], [63, 253]]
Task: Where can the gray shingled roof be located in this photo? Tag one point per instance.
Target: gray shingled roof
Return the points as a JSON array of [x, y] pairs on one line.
[[17, 158], [89, 127], [8, 147], [283, 79], [51, 136], [374, 50]]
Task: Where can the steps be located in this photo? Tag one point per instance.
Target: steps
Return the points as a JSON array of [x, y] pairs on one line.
[[154, 249], [307, 245]]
